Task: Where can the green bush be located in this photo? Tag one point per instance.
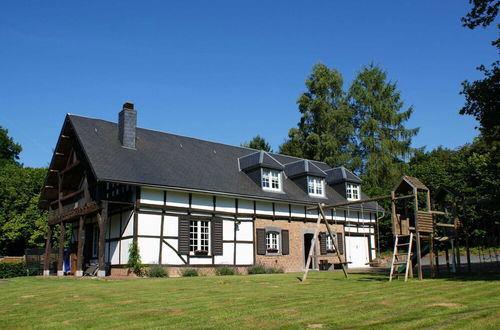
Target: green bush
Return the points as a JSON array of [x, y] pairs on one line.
[[256, 269], [134, 259], [157, 271], [12, 269], [189, 272], [275, 271], [224, 270]]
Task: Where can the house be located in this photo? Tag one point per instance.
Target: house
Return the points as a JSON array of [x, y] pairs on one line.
[[194, 203]]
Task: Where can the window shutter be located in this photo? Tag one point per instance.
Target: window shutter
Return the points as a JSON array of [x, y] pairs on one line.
[[216, 236], [285, 244], [261, 241], [340, 242], [183, 235], [322, 243]]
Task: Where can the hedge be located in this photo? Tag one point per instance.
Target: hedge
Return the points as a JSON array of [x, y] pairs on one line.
[[13, 269]]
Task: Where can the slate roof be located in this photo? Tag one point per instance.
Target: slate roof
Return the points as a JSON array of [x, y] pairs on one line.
[[341, 174], [303, 167], [173, 161]]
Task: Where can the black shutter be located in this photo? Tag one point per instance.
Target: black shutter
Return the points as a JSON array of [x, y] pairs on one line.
[[322, 243], [183, 235], [217, 236], [261, 241], [340, 242], [285, 245]]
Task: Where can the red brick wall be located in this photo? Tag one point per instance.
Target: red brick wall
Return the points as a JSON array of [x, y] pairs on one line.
[[294, 262]]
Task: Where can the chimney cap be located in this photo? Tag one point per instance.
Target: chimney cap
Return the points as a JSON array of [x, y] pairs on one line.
[[128, 105]]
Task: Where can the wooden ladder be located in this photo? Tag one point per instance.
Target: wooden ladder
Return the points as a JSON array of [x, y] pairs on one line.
[[395, 256]]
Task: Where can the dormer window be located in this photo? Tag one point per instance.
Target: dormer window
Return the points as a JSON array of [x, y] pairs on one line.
[[315, 186], [352, 191], [271, 180]]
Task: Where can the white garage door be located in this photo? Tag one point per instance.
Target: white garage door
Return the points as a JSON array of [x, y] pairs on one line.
[[357, 251]]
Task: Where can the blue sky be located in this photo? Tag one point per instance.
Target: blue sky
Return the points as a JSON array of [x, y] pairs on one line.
[[226, 70]]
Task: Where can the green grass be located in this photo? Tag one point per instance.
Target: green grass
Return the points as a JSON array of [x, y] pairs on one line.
[[258, 301]]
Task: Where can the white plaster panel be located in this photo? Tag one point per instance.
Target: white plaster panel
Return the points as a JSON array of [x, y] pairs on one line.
[[128, 223], [149, 249], [297, 211], [175, 198], [373, 251], [245, 231], [245, 206], [114, 252], [201, 214], [170, 226], [338, 215], [151, 196], [149, 224], [200, 261], [114, 224], [264, 208], [228, 230], [312, 214], [204, 202], [281, 209], [225, 204], [125, 244], [169, 256], [228, 256], [244, 253]]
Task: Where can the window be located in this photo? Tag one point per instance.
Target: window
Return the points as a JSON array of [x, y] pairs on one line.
[[330, 248], [315, 186], [199, 237], [352, 191], [271, 180], [272, 242]]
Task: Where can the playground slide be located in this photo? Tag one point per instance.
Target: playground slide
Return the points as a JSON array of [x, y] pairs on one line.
[[425, 251]]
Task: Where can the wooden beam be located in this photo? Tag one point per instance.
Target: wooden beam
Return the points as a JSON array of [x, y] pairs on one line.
[[59, 154], [81, 242], [102, 219], [60, 257], [48, 250], [329, 206], [333, 241], [65, 136], [419, 251]]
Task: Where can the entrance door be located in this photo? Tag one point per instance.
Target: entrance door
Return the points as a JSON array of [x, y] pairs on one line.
[[357, 251], [307, 246]]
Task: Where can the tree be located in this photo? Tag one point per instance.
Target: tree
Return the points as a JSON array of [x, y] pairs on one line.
[[325, 129], [9, 150], [383, 143], [482, 13], [258, 143]]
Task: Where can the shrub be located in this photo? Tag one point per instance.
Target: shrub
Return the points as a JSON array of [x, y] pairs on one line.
[[224, 270], [256, 269], [12, 269], [275, 270], [134, 259], [189, 272], [157, 271]]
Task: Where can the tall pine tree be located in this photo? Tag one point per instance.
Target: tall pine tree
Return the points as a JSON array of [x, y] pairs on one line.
[[325, 129], [383, 143]]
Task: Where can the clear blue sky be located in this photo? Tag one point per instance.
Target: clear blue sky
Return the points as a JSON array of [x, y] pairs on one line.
[[226, 70]]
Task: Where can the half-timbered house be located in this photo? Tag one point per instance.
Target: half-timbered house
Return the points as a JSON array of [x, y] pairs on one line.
[[194, 203]]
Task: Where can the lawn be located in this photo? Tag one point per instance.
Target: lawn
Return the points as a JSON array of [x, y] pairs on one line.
[[259, 301]]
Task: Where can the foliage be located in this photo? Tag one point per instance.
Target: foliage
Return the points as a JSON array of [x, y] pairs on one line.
[[157, 271], [258, 143], [12, 269], [483, 13], [22, 223], [189, 272], [382, 141], [9, 150], [256, 269], [325, 129], [224, 270], [134, 259], [275, 270]]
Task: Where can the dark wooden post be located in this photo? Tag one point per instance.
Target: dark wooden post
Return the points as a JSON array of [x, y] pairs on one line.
[[48, 250], [431, 255], [102, 219], [447, 258], [60, 257], [81, 244]]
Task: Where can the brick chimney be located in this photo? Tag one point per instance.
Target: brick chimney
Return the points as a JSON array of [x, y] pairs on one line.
[[127, 122]]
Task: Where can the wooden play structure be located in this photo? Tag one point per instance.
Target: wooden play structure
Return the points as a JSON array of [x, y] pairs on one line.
[[414, 225]]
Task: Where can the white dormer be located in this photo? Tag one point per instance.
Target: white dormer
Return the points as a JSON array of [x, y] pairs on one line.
[[316, 186], [353, 191], [271, 180]]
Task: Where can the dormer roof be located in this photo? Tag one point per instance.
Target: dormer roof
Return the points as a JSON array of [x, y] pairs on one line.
[[303, 167], [341, 174], [259, 159]]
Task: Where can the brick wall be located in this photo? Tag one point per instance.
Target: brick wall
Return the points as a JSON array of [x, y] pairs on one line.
[[295, 261]]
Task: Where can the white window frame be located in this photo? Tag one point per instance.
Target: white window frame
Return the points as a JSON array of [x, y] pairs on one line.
[[273, 242], [353, 192], [199, 237], [330, 247], [271, 180], [316, 186]]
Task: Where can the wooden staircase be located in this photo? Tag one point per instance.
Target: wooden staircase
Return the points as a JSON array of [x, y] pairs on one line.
[[399, 259]]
